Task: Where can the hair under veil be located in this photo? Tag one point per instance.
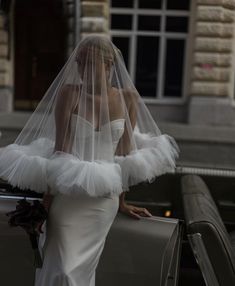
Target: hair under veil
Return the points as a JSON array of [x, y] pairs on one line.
[[90, 132]]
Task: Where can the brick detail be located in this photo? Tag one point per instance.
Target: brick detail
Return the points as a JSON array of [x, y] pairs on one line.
[[214, 59], [4, 65], [70, 24], [214, 30], [4, 79], [83, 35], [6, 100], [215, 14], [211, 73], [70, 9], [94, 17], [2, 21], [3, 50], [3, 37], [213, 44], [6, 91], [96, 9], [99, 1], [209, 88], [94, 24], [213, 49], [225, 3]]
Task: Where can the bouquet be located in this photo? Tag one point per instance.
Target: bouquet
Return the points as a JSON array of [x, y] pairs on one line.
[[30, 217]]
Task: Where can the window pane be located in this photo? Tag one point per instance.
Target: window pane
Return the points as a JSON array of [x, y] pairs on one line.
[[177, 24], [150, 4], [174, 67], [147, 64], [122, 3], [123, 44], [149, 23], [178, 5], [121, 22]]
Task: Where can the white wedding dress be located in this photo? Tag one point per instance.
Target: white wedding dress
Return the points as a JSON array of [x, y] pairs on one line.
[[76, 229]]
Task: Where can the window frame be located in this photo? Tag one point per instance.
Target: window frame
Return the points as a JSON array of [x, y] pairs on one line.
[[163, 37]]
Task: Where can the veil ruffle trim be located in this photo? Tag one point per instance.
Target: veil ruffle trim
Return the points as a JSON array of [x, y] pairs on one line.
[[91, 106], [155, 156], [24, 166], [35, 167], [67, 174]]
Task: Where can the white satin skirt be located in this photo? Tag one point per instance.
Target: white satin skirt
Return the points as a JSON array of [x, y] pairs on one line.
[[73, 239]]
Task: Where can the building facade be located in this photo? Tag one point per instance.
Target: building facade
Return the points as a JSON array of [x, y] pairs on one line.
[[180, 55]]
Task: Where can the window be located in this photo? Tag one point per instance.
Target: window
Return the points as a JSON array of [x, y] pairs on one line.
[[152, 35]]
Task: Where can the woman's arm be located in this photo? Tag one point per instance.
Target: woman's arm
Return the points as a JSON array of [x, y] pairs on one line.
[[46, 200], [65, 104], [124, 147], [63, 139], [122, 199]]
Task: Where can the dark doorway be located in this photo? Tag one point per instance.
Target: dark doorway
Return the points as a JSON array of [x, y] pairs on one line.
[[40, 30]]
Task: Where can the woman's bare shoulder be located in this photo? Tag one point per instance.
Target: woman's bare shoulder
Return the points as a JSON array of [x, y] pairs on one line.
[[128, 92], [69, 89], [130, 95], [68, 94]]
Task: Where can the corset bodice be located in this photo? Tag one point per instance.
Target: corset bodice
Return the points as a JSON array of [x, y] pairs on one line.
[[90, 144]]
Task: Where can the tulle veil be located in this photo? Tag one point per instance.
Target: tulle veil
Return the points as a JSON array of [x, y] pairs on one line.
[[91, 132]]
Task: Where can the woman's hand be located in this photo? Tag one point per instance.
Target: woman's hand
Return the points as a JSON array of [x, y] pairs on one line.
[[47, 200], [133, 211], [38, 227]]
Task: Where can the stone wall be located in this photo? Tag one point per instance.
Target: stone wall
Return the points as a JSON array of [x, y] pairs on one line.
[[69, 7], [5, 66], [214, 48], [85, 17], [213, 52], [94, 17]]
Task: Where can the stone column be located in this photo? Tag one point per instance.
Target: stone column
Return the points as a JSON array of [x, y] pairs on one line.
[[213, 63], [5, 67], [94, 17], [70, 14]]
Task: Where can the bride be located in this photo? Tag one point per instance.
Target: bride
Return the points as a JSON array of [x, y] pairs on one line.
[[90, 139]]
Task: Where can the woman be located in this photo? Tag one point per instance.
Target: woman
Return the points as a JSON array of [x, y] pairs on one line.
[[90, 139]]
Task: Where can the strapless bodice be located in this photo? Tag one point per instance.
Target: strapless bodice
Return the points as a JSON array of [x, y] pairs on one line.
[[91, 144]]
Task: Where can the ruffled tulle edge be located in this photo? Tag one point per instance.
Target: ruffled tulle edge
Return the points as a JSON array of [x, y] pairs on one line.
[[59, 173], [67, 174], [157, 155], [32, 167], [23, 170]]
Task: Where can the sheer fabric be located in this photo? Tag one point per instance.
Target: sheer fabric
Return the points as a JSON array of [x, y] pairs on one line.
[[91, 132]]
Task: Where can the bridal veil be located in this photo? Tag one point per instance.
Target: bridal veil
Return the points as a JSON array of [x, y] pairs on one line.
[[91, 132]]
